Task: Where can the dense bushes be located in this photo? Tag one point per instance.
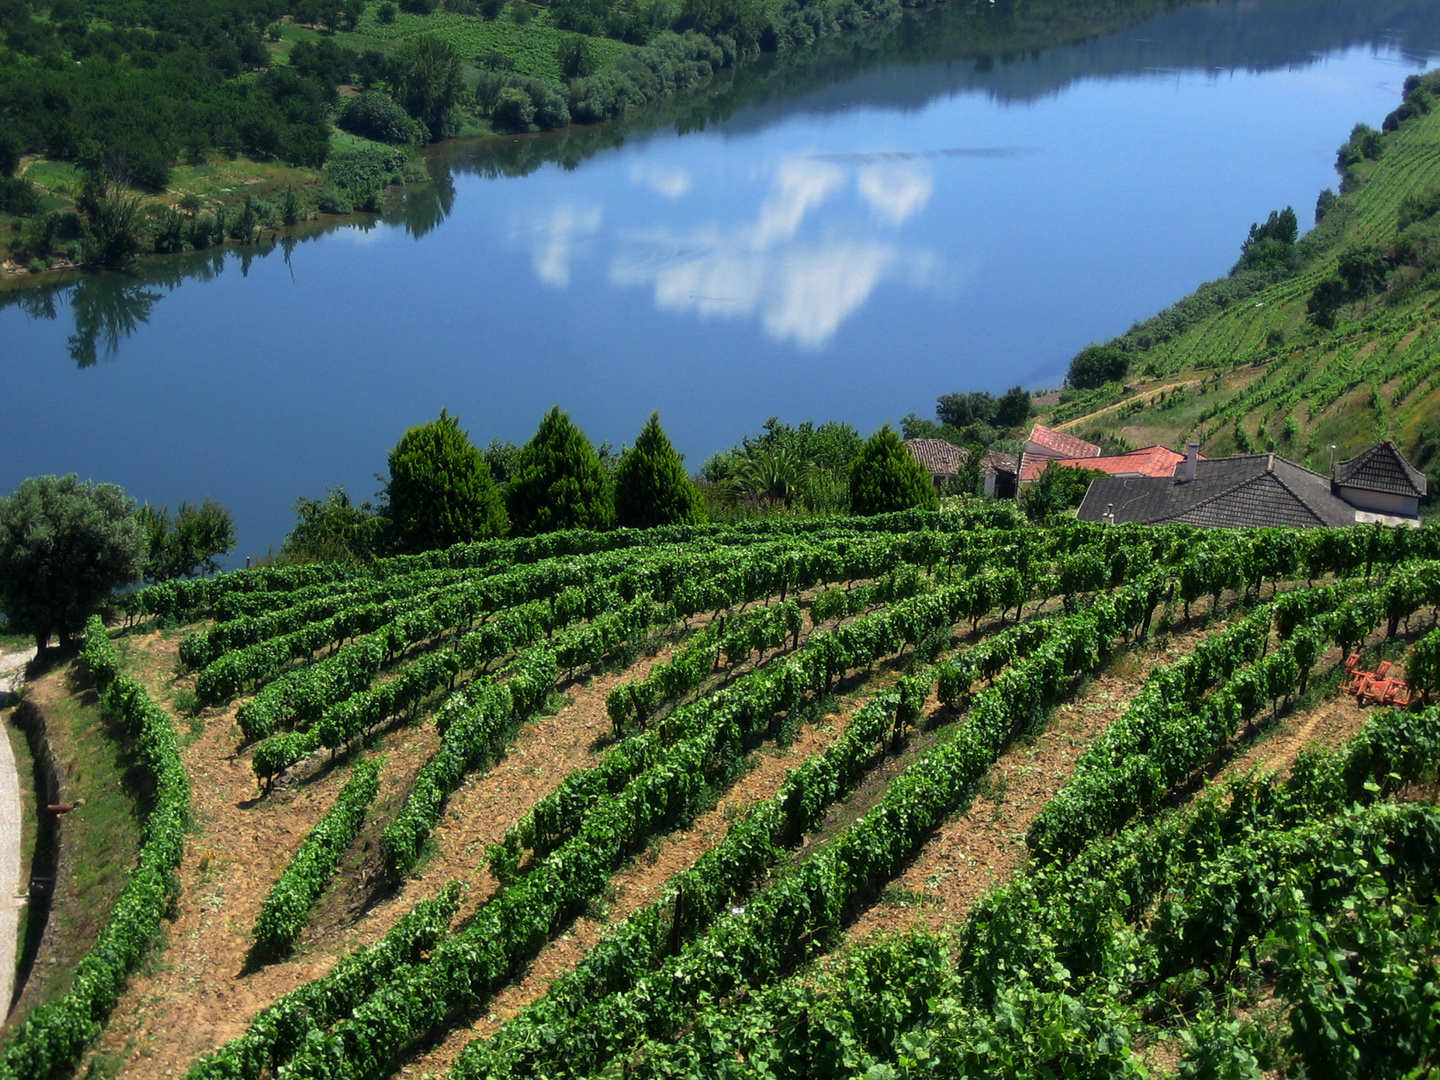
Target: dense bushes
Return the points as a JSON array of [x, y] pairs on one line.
[[374, 116], [671, 63], [518, 103]]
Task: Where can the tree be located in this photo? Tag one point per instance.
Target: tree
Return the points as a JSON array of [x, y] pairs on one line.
[[962, 410], [1096, 365], [65, 545], [1059, 488], [440, 489], [559, 482], [186, 545], [1363, 269], [335, 529], [972, 473], [651, 485], [576, 57], [112, 219], [1326, 301], [886, 477], [427, 81], [1013, 408]]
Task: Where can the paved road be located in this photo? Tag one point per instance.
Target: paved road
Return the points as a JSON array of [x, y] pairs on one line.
[[12, 889]]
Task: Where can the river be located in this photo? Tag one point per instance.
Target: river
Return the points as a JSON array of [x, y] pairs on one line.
[[956, 202]]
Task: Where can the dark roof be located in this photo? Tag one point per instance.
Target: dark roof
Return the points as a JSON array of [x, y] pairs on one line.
[[1382, 468], [1259, 490], [997, 461], [938, 456]]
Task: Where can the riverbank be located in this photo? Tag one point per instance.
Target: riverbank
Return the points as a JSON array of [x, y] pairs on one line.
[[215, 200]]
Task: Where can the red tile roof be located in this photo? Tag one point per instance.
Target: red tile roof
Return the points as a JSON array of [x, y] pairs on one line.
[[1047, 442], [1147, 461]]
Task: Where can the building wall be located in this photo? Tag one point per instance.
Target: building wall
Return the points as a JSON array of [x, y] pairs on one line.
[[1381, 502]]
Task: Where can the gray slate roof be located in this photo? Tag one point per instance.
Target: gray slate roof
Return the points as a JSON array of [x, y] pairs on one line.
[[1257, 490], [1382, 468]]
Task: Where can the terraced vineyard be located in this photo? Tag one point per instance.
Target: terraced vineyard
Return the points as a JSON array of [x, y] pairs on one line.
[[640, 804]]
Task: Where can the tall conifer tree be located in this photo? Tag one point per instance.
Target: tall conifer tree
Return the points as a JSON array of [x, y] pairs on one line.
[[559, 482], [651, 485], [441, 491], [886, 477]]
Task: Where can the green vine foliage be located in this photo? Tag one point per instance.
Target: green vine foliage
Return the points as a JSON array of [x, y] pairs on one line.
[[50, 1042], [282, 916]]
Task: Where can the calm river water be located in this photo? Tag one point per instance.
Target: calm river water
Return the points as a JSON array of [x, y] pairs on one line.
[[949, 205]]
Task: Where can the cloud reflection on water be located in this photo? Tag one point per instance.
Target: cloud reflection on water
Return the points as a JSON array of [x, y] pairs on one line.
[[556, 236], [801, 284]]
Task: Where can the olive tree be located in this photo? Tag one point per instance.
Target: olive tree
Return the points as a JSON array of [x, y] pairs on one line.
[[65, 546]]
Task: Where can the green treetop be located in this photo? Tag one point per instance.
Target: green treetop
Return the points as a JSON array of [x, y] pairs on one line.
[[186, 545], [558, 482], [65, 546], [441, 492], [886, 477], [651, 486]]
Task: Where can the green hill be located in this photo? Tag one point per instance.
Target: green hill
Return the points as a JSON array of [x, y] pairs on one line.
[[1333, 339]]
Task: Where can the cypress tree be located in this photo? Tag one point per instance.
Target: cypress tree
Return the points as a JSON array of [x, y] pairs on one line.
[[886, 477], [441, 491], [559, 482], [651, 486]]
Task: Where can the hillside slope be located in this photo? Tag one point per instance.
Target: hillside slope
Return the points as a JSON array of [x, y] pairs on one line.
[[1330, 340]]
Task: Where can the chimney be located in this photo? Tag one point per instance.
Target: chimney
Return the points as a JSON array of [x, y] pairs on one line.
[[1192, 455]]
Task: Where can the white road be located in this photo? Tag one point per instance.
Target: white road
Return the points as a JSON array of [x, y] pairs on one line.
[[12, 890]]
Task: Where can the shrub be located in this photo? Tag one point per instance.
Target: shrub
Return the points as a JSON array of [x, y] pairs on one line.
[[1059, 488], [332, 200], [374, 115], [513, 110], [1096, 365], [385, 13], [363, 169], [18, 196], [521, 102]]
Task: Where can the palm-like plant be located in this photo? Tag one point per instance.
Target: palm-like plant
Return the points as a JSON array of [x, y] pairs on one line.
[[772, 475]]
